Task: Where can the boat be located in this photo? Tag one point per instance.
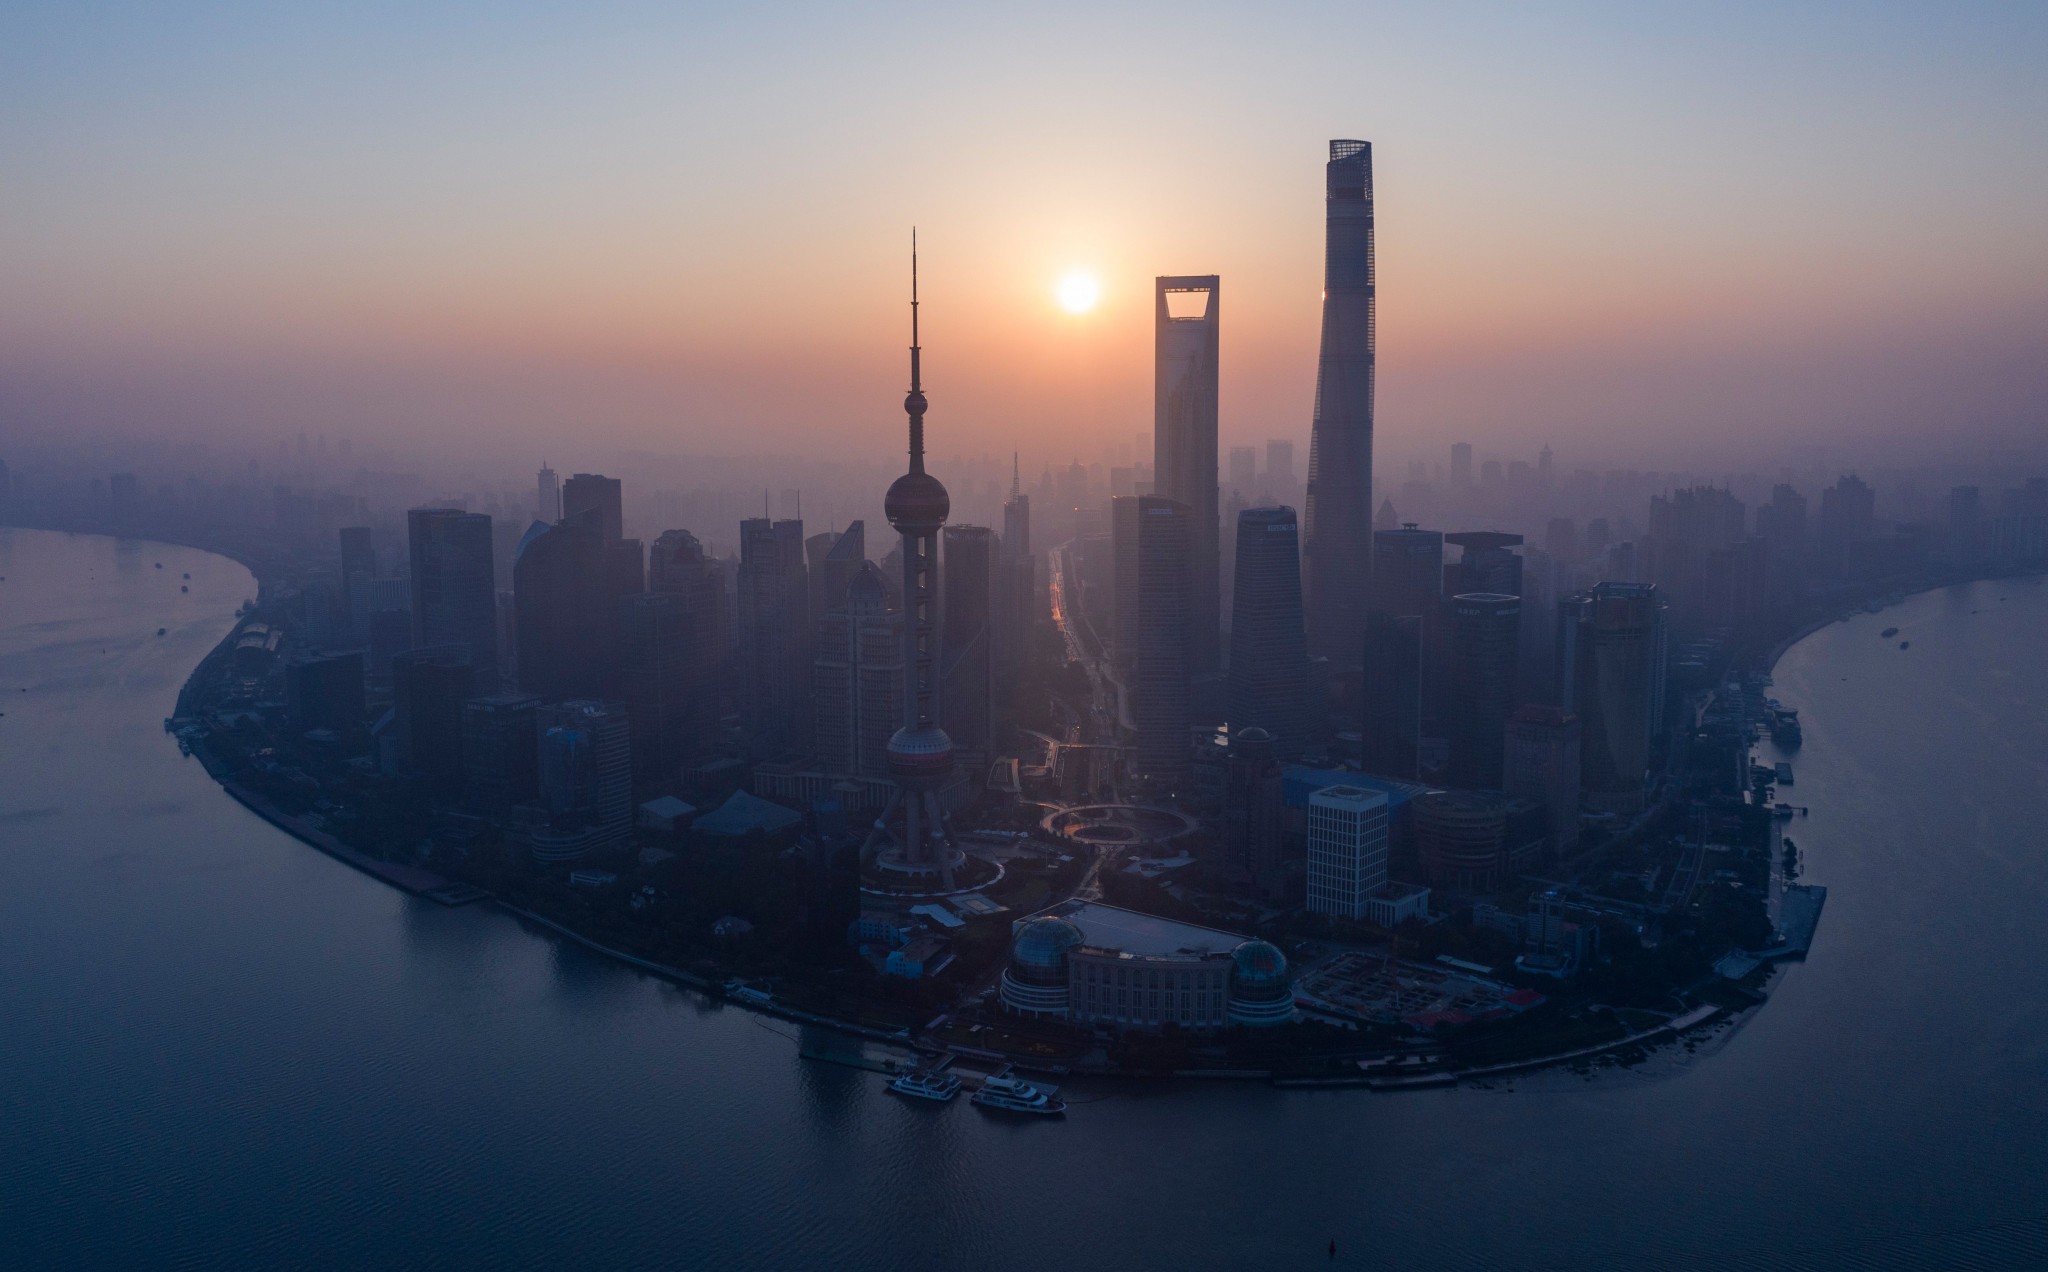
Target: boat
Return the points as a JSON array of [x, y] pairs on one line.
[[927, 1084], [1905, 644], [1011, 1095], [1888, 633]]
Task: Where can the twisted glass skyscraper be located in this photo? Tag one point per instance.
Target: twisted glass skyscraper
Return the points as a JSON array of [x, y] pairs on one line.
[[1339, 523]]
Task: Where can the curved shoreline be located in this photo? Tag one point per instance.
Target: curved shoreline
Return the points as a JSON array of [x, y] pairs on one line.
[[424, 883]]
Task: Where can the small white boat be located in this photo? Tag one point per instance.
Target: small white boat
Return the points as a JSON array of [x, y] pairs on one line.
[[1013, 1096], [926, 1085]]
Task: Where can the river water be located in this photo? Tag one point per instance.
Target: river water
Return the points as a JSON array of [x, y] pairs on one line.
[[218, 1046]]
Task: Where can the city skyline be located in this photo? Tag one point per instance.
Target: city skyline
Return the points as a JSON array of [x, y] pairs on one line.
[[1553, 272]]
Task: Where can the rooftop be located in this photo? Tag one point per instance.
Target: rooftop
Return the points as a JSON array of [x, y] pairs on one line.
[[1109, 927]]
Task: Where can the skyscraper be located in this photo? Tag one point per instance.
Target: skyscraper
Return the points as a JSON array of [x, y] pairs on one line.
[[501, 750], [857, 679], [968, 691], [428, 690], [1407, 583], [1542, 765], [1249, 848], [1017, 608], [1338, 551], [1185, 332], [1244, 471], [1489, 563], [559, 618], [1268, 684], [1391, 728], [775, 636], [1347, 850], [586, 770], [677, 564], [1611, 668], [655, 682], [593, 493], [548, 498], [1484, 628], [920, 753], [454, 587], [1154, 593]]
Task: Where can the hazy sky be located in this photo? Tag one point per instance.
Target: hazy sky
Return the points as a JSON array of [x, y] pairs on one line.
[[1674, 234]]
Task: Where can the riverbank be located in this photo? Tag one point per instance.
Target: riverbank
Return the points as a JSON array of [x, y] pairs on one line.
[[419, 881]]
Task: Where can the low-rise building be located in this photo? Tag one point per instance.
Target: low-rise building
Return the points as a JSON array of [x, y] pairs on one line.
[[1094, 965]]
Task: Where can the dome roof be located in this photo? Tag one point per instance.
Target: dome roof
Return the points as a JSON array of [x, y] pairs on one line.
[[916, 501], [1043, 942], [1257, 965]]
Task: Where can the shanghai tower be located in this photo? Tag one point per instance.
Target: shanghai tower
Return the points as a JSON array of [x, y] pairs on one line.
[[1338, 550]]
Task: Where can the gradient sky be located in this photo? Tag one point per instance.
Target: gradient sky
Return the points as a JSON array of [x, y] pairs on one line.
[[1669, 235]]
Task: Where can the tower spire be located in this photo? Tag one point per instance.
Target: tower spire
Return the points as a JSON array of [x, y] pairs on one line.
[[1016, 480], [913, 402]]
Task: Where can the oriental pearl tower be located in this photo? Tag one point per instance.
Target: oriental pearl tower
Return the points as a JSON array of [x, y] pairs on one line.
[[920, 753]]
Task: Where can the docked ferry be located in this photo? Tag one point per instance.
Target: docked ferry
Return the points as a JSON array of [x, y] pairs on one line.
[[1014, 1096], [926, 1085]]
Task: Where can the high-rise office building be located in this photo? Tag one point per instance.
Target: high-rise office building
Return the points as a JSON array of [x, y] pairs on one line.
[[1461, 839], [599, 496], [559, 620], [1847, 510], [1280, 478], [774, 627], [1390, 734], [1017, 606], [586, 769], [1611, 670], [1407, 582], [920, 753], [501, 750], [1338, 551], [428, 689], [1185, 332], [325, 691], [1155, 590], [1268, 685], [656, 682], [1461, 465], [547, 504], [454, 586], [1485, 627], [1542, 765], [1244, 472], [967, 667], [857, 679], [1489, 563], [677, 564], [1248, 851], [835, 565], [1347, 850]]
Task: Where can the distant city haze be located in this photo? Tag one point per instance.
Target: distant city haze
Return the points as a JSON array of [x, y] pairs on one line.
[[1668, 239]]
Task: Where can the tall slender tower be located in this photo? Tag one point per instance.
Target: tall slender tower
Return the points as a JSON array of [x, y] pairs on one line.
[[1185, 327], [920, 754], [1339, 530]]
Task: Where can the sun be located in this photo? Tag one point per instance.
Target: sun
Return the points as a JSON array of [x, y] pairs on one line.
[[1078, 292]]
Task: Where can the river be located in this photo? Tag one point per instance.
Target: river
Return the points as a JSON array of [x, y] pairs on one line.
[[218, 1046]]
